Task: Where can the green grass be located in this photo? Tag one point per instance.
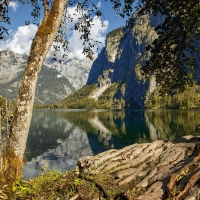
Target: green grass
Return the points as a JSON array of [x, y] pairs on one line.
[[79, 99], [54, 185], [50, 185]]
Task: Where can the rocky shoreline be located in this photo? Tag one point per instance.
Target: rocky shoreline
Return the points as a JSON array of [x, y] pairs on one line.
[[144, 169]]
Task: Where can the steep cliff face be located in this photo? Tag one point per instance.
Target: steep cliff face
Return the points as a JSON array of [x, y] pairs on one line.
[[112, 43], [116, 73], [123, 54]]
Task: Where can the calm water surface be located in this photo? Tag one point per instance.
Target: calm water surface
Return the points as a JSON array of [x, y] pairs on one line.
[[58, 138]]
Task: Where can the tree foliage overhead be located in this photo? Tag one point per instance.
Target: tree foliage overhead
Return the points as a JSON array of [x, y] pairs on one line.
[[171, 52]]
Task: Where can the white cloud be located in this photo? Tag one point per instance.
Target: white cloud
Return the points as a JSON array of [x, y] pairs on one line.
[[75, 43], [98, 4], [13, 5], [21, 39], [75, 15], [97, 30], [96, 33]]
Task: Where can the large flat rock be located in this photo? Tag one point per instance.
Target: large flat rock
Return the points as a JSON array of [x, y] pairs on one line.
[[144, 169]]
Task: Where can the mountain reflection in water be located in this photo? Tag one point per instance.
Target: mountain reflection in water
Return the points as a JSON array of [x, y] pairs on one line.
[[58, 138]]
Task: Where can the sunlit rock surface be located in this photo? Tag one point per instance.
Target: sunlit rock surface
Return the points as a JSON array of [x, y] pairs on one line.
[[147, 168], [123, 55]]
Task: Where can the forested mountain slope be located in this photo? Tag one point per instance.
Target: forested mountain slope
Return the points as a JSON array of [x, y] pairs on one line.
[[116, 81]]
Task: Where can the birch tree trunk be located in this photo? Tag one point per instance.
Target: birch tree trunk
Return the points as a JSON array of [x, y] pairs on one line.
[[13, 155]]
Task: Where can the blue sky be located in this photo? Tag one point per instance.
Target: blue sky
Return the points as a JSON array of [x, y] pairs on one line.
[[21, 36]]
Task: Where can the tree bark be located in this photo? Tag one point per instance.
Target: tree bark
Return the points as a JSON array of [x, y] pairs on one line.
[[13, 155], [1, 146]]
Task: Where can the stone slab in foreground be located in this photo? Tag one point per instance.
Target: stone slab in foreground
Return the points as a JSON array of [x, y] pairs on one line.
[[144, 169]]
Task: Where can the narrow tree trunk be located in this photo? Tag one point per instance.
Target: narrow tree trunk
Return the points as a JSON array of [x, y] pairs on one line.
[[1, 146], [13, 156]]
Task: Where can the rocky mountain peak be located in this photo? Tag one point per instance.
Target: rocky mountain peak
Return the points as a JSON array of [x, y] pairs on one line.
[[55, 82], [112, 43]]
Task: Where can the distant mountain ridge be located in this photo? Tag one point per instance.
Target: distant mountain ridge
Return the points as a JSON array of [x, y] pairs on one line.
[[113, 80], [54, 82]]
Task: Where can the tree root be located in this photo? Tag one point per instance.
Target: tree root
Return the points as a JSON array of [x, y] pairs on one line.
[[106, 186], [190, 173]]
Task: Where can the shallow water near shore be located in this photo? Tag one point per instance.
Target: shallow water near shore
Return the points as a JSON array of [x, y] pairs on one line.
[[58, 138]]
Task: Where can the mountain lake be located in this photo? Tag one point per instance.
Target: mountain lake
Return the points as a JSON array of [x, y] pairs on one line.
[[58, 138]]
